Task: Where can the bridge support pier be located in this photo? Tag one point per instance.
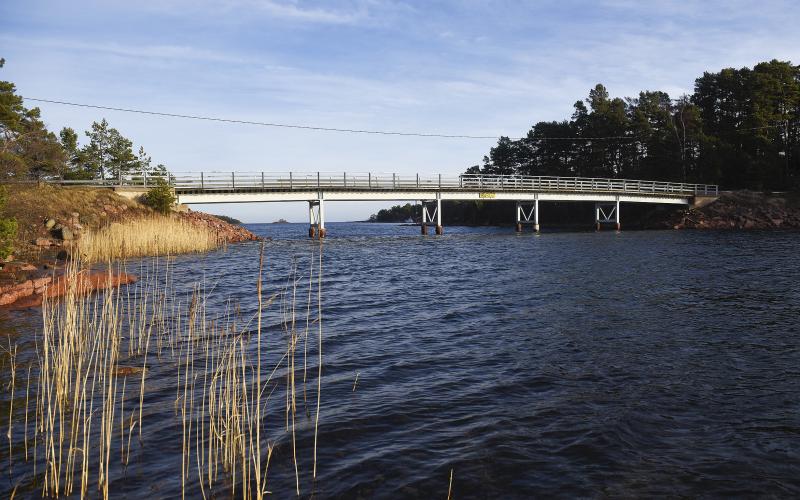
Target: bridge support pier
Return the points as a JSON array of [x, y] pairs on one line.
[[607, 213], [427, 216], [316, 219], [528, 216]]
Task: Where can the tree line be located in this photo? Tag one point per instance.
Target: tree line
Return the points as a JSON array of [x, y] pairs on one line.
[[28, 150], [739, 129]]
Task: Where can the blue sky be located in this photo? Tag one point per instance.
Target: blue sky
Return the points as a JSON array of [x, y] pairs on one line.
[[454, 67]]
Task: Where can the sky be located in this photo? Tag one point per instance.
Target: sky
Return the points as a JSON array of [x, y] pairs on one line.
[[486, 68]]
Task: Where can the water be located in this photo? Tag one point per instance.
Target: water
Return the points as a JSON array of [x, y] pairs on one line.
[[564, 364]]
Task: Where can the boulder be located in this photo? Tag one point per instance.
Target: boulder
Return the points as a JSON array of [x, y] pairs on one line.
[[50, 224], [43, 242], [65, 233]]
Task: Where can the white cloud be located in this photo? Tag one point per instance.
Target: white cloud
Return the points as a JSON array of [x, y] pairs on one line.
[[291, 10]]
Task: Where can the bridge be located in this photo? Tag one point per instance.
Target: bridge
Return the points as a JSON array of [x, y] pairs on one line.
[[318, 188]]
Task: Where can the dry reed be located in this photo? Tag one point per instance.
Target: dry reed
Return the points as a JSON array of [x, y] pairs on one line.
[[83, 413], [153, 236]]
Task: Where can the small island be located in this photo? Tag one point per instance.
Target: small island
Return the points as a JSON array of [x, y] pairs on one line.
[[281, 221]]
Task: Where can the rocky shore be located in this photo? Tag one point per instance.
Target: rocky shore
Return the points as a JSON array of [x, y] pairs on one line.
[[29, 290], [746, 210], [229, 233]]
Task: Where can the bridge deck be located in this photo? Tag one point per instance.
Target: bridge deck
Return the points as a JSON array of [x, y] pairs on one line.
[[248, 182]]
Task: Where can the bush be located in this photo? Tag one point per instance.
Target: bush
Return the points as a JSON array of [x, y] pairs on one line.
[[8, 233], [8, 229], [160, 198]]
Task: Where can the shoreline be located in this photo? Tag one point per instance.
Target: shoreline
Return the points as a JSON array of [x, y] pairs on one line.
[[732, 210], [54, 221]]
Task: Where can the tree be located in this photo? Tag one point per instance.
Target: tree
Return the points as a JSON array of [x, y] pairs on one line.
[[502, 159], [108, 154], [740, 128], [144, 162], [752, 116], [76, 163], [8, 227], [27, 148]]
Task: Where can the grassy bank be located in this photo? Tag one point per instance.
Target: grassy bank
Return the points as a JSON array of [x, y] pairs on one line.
[[102, 225]]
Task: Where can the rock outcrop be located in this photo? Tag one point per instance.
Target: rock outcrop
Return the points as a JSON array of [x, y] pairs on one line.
[[737, 210], [31, 292], [229, 233]]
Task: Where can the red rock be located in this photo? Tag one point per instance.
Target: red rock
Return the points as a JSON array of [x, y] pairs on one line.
[[29, 294]]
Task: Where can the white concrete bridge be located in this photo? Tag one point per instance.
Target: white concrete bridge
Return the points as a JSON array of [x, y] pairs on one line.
[[319, 188]]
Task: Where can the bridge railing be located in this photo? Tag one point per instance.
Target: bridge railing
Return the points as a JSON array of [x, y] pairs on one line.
[[131, 179], [267, 181]]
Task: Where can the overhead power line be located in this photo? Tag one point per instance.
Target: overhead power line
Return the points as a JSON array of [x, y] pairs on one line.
[[348, 130], [314, 127]]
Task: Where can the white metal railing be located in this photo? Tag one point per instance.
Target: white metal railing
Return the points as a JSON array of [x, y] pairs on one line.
[[132, 179], [291, 181]]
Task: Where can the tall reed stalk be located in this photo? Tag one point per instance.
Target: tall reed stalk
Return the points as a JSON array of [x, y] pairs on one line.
[[88, 384]]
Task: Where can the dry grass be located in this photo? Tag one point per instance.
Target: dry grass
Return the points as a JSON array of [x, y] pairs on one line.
[[150, 236], [31, 205]]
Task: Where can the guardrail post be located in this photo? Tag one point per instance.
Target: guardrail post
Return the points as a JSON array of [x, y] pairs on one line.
[[369, 179], [202, 182], [291, 183], [394, 181], [440, 182], [418, 181], [233, 180], [318, 180], [145, 178], [262, 180], [344, 178]]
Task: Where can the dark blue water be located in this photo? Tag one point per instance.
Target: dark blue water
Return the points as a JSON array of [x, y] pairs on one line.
[[606, 364]]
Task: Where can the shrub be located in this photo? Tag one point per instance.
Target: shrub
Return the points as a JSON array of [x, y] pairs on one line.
[[8, 229], [160, 197]]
